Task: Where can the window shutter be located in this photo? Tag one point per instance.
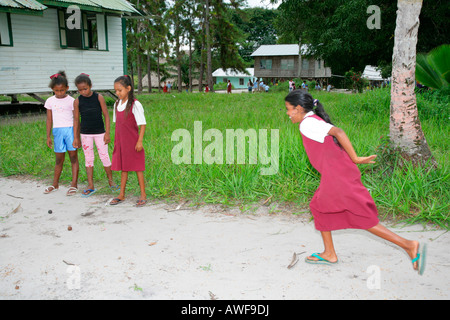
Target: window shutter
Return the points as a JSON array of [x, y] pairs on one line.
[[102, 32], [5, 29], [62, 29]]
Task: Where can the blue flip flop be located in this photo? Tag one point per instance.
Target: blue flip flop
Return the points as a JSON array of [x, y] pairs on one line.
[[114, 188], [320, 261], [91, 192], [421, 259]]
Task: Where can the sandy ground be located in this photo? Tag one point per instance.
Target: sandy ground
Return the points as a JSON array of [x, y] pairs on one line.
[[159, 252]]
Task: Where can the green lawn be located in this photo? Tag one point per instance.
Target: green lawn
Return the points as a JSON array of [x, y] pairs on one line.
[[414, 194]]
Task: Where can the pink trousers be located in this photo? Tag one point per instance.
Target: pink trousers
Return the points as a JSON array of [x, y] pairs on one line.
[[87, 141]]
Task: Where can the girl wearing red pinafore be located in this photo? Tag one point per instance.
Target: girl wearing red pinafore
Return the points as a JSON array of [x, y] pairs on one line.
[[125, 157], [341, 201], [128, 154]]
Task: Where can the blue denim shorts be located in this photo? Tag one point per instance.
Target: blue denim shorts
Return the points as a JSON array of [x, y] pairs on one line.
[[63, 139]]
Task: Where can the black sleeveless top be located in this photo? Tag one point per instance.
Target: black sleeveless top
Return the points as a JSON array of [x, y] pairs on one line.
[[91, 115]]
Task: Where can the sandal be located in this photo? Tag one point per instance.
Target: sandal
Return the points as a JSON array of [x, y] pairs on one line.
[[88, 193], [421, 259], [114, 188], [71, 191], [48, 190], [141, 203], [320, 261], [115, 201]]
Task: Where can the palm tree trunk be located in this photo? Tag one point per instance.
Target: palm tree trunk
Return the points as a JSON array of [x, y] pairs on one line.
[[159, 76], [405, 129], [149, 73], [208, 50]]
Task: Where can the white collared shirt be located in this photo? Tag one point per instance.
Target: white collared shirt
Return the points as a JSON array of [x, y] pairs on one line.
[[138, 111], [314, 129]]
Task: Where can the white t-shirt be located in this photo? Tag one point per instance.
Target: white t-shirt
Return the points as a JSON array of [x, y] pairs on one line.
[[62, 111], [314, 129], [138, 111]]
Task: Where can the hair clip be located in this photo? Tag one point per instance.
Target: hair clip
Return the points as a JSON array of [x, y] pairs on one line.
[[86, 74], [316, 102], [56, 75]]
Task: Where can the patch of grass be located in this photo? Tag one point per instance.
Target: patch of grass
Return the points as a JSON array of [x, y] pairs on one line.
[[413, 193]]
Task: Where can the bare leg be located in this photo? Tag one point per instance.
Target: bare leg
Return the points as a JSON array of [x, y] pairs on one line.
[[140, 176], [123, 184], [411, 247], [329, 253], [75, 167], [90, 178], [109, 175], [59, 162]]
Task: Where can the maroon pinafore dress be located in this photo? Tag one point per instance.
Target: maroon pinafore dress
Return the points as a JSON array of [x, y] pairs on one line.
[[341, 201], [125, 157]]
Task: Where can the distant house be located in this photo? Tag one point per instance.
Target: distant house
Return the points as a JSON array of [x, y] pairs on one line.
[[372, 73], [39, 38], [239, 80], [284, 61]]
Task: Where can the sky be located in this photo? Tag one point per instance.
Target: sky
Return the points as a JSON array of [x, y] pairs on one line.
[[261, 3]]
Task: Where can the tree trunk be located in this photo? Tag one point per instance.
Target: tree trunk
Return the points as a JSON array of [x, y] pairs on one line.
[[190, 63], [202, 58], [159, 76], [202, 68], [209, 78], [139, 72], [177, 50], [405, 130], [149, 73]]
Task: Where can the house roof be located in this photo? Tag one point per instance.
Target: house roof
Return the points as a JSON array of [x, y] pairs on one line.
[[122, 6], [232, 73], [115, 5], [281, 50], [23, 4], [371, 73]]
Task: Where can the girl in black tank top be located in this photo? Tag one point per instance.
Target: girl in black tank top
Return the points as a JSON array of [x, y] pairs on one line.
[[91, 114], [91, 106]]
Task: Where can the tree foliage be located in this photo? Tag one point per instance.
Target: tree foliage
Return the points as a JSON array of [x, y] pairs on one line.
[[337, 30]]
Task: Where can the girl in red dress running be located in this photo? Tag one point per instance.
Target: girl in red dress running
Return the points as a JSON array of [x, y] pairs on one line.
[[341, 201], [128, 154]]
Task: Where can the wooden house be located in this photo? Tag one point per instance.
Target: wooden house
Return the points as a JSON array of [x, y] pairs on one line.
[[286, 61], [40, 38], [238, 79]]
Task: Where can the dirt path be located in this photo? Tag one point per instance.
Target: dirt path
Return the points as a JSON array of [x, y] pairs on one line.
[[159, 252]]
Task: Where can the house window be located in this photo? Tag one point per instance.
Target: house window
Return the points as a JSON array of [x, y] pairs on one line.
[[241, 81], [5, 30], [305, 64], [89, 34], [265, 64], [287, 64], [319, 63]]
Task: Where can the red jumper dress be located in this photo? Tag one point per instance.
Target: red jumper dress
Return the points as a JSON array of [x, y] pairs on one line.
[[125, 157], [341, 201]]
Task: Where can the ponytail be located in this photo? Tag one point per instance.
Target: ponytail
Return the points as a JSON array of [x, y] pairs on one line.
[[320, 111], [304, 99]]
